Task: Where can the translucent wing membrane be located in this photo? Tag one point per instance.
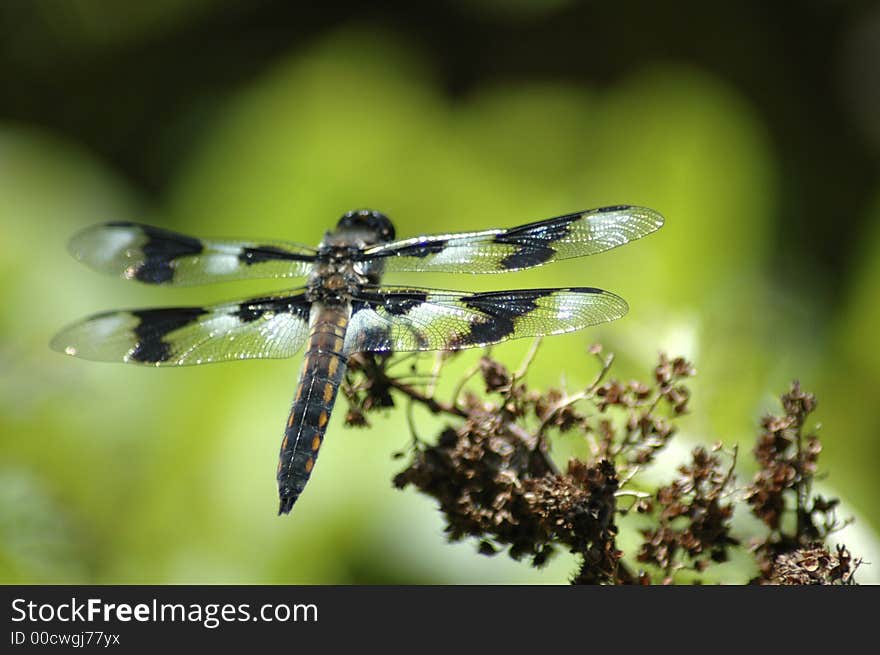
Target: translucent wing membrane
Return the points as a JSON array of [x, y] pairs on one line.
[[269, 327], [407, 319], [496, 251], [155, 256]]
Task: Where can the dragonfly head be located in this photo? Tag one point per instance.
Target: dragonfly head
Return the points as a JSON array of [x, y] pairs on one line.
[[373, 226]]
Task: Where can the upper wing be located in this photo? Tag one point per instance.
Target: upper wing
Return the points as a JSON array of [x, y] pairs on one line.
[[406, 319], [156, 256], [496, 251], [270, 327]]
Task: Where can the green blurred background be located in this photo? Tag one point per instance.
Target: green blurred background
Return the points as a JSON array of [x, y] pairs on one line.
[[755, 130]]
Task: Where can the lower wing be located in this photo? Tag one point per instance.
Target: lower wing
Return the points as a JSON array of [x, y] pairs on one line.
[[383, 320], [267, 327], [409, 319]]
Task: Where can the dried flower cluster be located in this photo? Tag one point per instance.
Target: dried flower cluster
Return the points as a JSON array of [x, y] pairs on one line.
[[693, 521], [782, 488], [813, 565], [494, 480]]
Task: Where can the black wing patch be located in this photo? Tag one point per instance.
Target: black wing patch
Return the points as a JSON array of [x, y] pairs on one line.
[[258, 328], [153, 255], [534, 244], [408, 319]]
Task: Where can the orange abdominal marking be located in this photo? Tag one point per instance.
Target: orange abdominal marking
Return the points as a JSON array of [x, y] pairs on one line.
[[332, 367], [316, 443], [310, 464], [328, 393], [322, 419], [284, 441]]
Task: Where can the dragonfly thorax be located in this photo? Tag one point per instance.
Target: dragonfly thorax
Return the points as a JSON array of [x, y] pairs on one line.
[[334, 279]]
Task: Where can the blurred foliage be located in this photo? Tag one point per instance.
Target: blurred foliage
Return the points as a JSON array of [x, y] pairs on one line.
[[111, 474]]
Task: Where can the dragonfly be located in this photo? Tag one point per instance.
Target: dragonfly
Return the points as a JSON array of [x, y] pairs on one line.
[[341, 307]]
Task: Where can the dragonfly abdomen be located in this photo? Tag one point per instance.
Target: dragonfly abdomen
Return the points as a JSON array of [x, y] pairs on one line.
[[322, 372]]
